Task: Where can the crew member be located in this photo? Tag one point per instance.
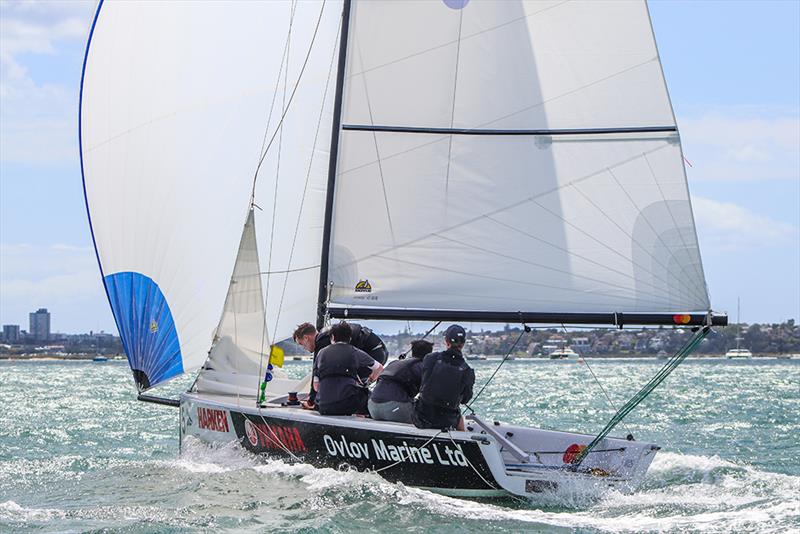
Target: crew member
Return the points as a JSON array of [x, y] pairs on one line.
[[363, 338], [392, 397], [341, 373], [447, 381]]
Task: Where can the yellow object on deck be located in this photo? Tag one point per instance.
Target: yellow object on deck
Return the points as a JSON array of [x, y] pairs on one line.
[[276, 356]]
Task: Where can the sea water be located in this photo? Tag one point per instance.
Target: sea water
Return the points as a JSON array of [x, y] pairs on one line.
[[78, 453]]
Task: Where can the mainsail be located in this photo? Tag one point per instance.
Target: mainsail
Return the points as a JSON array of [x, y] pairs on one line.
[[473, 156], [511, 156]]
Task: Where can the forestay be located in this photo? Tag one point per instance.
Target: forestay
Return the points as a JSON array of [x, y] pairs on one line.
[[504, 156], [178, 103]]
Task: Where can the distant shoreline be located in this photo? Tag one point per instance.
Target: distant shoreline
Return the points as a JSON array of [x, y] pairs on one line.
[[495, 357]]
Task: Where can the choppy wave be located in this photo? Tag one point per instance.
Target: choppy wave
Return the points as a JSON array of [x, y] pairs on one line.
[[82, 465], [700, 493]]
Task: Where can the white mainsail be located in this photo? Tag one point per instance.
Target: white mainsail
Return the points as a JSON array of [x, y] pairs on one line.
[[518, 155]]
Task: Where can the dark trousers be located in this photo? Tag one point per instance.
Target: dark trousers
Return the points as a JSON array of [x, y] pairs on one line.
[[427, 416], [354, 404]]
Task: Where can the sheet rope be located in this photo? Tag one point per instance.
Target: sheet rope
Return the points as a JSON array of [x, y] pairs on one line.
[[644, 392]]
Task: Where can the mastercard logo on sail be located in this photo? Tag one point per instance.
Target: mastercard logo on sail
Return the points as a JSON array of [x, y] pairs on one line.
[[682, 318]]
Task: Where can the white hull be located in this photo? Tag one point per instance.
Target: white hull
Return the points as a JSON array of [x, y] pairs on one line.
[[492, 460]]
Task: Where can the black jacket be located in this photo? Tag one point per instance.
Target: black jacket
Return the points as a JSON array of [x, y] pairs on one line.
[[447, 380]]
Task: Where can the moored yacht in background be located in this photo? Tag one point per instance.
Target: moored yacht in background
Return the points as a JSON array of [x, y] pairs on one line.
[[564, 353]]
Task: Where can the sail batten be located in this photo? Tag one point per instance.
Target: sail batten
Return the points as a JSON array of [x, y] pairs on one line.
[[484, 131]]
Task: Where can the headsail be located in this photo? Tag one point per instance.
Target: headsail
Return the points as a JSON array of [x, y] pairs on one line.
[[175, 100], [518, 155], [236, 363]]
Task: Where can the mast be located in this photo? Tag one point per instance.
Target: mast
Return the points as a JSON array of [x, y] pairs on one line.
[[738, 322], [334, 154]]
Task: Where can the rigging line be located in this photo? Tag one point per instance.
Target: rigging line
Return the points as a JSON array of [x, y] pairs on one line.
[[274, 97], [287, 271], [652, 228], [401, 457], [305, 185], [452, 115], [500, 279], [672, 215], [278, 168], [431, 329], [377, 152], [644, 392], [569, 252], [605, 393], [475, 398], [448, 43], [625, 232], [274, 437], [498, 210], [475, 469], [547, 267], [279, 129], [291, 96]]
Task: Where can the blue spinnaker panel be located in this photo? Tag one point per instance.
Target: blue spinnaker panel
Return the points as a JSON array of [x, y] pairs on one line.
[[146, 327]]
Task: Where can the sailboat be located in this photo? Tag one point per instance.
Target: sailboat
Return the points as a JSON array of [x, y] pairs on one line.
[[250, 165], [738, 352]]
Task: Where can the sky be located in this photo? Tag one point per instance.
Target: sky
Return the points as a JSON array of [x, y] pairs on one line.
[[732, 68]]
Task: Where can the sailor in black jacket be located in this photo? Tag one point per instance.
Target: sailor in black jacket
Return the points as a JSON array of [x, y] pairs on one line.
[[341, 374], [447, 382], [307, 336], [392, 398]]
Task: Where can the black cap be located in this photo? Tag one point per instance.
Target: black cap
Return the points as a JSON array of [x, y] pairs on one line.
[[455, 334]]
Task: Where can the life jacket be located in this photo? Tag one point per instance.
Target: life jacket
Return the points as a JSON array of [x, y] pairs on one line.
[[402, 373], [360, 338], [338, 359], [443, 380]]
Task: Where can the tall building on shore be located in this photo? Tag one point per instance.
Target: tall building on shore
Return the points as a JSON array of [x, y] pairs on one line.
[[11, 333], [40, 325]]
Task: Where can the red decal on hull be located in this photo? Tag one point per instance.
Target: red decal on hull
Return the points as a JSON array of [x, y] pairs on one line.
[[211, 419], [273, 436]]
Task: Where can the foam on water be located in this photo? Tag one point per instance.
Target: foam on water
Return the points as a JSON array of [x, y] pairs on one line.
[[704, 493], [79, 464]]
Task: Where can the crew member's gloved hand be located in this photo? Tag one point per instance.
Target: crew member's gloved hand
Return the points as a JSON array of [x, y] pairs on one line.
[[308, 405]]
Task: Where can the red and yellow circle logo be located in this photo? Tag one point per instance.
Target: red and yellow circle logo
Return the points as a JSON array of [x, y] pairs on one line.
[[572, 452]]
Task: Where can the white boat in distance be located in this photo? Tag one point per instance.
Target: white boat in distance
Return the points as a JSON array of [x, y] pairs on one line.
[[250, 165], [565, 353], [738, 353]]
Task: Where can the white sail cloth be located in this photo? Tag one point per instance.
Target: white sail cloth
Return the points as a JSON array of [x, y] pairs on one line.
[[577, 200], [572, 197], [175, 100]]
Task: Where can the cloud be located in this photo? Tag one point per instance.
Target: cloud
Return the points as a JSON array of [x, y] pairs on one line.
[[62, 278], [739, 146], [729, 227], [37, 114]]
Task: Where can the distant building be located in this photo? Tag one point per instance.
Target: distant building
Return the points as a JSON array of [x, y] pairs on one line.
[[40, 324], [11, 333]]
